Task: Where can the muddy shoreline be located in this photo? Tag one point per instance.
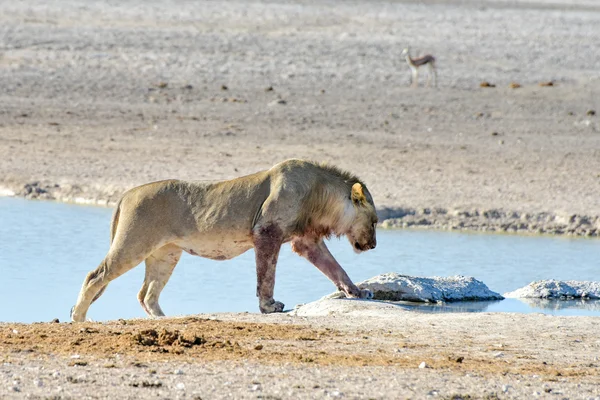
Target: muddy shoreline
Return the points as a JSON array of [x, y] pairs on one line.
[[282, 356]]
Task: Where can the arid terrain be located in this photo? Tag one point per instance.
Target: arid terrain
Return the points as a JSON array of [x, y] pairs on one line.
[[96, 97], [280, 356]]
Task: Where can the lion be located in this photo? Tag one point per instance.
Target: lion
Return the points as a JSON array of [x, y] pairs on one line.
[[295, 201]]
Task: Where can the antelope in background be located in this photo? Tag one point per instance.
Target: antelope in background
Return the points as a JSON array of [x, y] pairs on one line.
[[415, 63]]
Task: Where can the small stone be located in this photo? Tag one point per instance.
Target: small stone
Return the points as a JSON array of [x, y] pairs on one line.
[[269, 89], [16, 332], [180, 386], [258, 347], [224, 87], [495, 133], [277, 102], [514, 85], [15, 389], [178, 372], [505, 388], [75, 356], [590, 112], [256, 387], [423, 365], [38, 382], [55, 321]]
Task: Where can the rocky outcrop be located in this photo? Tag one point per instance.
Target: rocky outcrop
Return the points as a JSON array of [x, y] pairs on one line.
[[490, 220], [553, 289], [396, 287]]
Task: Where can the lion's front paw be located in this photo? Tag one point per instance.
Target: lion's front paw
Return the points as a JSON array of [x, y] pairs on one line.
[[271, 306], [366, 294]]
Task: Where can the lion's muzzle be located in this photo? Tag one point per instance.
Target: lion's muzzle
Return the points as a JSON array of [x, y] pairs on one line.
[[365, 246]]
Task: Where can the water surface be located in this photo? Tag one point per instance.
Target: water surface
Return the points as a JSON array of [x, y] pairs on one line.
[[47, 249]]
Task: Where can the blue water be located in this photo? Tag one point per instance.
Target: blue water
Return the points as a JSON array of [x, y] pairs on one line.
[[47, 249]]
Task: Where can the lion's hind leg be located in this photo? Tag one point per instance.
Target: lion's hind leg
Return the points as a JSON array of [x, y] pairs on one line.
[[115, 264], [159, 267]]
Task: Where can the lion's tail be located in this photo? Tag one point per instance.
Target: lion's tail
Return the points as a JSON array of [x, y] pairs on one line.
[[115, 221]]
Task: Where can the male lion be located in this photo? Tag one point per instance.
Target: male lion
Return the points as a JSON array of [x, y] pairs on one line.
[[298, 201]]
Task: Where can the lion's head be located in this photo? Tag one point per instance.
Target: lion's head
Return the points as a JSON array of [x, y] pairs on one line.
[[361, 231]]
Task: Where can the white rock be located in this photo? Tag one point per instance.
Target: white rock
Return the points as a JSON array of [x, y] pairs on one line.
[[423, 365], [560, 290], [396, 287], [178, 372], [180, 386], [348, 307], [38, 382]]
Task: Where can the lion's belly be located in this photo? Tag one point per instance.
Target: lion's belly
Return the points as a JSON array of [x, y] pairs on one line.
[[215, 247]]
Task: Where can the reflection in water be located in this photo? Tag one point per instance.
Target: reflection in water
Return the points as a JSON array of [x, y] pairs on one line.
[[453, 307], [578, 304]]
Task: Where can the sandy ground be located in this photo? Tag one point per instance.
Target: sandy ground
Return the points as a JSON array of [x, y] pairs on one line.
[[467, 356], [96, 97]]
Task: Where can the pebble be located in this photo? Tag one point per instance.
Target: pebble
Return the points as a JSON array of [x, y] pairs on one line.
[[38, 382], [423, 365], [277, 102], [178, 372], [180, 386], [505, 388]]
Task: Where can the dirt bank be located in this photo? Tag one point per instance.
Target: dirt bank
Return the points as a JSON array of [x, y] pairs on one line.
[[282, 356]]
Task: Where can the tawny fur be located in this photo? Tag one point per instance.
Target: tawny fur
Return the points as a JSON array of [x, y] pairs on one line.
[[298, 201]]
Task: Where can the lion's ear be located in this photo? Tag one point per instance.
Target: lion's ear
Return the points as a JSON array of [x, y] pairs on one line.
[[357, 195]]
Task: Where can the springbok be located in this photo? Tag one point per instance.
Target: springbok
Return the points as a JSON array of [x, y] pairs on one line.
[[415, 63]]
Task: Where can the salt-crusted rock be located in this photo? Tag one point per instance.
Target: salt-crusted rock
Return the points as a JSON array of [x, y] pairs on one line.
[[553, 289], [396, 287]]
